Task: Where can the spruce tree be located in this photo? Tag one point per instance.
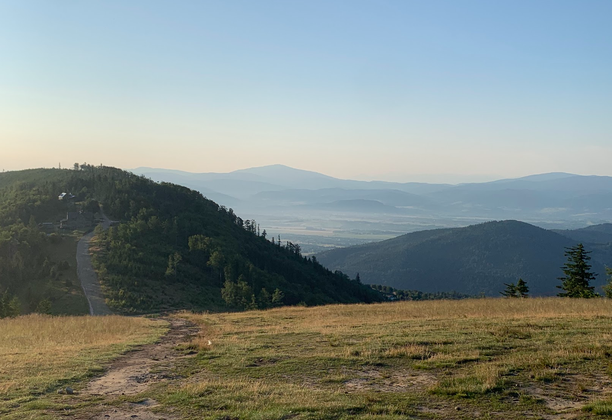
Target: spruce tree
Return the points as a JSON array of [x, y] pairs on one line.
[[578, 275], [522, 290], [509, 291]]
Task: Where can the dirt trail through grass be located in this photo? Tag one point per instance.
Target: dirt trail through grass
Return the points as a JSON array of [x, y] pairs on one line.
[[134, 373]]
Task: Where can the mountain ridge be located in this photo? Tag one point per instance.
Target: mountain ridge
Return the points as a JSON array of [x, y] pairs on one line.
[[473, 260], [292, 206]]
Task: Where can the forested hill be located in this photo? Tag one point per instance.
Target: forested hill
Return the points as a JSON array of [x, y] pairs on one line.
[[173, 248], [473, 260]]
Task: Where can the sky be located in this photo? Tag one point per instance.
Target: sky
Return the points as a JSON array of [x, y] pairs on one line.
[[431, 90]]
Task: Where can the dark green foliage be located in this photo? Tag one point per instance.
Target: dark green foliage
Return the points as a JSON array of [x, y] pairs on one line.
[[395, 294], [577, 274], [10, 306], [264, 300], [173, 248], [522, 290], [173, 265], [44, 306], [205, 248], [595, 234], [278, 298], [92, 206], [608, 286], [509, 291], [176, 249], [237, 294], [27, 270], [518, 290], [472, 260]]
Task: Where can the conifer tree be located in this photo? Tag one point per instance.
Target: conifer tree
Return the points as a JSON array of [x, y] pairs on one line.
[[509, 291], [522, 290], [578, 275], [277, 297], [44, 307]]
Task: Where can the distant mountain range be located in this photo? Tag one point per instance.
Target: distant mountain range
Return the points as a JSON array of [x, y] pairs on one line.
[[553, 195], [292, 201], [474, 259], [245, 183]]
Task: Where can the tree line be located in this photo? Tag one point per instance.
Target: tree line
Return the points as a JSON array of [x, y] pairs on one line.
[[576, 279]]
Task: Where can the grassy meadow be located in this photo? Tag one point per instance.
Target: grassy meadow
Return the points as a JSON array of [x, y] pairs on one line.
[[481, 358], [39, 354]]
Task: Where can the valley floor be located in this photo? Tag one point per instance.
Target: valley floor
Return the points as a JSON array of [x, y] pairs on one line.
[[483, 358]]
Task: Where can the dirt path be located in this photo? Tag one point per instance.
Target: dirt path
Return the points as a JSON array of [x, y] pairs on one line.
[[87, 275], [135, 372]]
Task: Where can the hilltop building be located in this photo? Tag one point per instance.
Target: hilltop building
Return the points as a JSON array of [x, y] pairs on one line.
[[65, 196]]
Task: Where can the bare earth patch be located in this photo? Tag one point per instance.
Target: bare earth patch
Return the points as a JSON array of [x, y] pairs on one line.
[[401, 381], [571, 394], [135, 373]]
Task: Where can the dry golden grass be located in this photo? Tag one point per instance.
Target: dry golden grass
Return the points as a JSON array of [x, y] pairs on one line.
[[341, 317], [40, 353], [396, 359]]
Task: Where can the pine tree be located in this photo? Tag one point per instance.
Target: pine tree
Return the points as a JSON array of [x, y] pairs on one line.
[[264, 300], [521, 289], [277, 297], [577, 270], [13, 308], [44, 307], [10, 306], [509, 291]]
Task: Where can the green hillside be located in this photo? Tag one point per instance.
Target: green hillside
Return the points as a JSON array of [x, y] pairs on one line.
[[473, 260], [173, 248]]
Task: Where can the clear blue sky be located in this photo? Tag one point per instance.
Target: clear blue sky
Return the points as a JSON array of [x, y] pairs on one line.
[[400, 90]]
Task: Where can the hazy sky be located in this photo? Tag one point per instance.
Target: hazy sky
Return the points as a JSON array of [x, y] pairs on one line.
[[397, 90]]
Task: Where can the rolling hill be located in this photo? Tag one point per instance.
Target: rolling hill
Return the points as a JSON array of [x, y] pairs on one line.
[[173, 248], [475, 259]]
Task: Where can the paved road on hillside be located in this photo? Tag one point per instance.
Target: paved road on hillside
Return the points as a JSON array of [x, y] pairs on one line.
[[88, 276]]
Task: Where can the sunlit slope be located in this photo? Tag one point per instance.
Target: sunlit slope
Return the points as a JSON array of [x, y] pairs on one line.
[[171, 249]]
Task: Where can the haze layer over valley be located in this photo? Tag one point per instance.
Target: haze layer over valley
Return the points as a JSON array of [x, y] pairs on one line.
[[321, 212]]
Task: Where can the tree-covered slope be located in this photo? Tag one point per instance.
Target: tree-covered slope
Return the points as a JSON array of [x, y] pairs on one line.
[[173, 248], [475, 259], [596, 234], [37, 269]]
